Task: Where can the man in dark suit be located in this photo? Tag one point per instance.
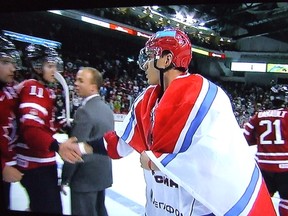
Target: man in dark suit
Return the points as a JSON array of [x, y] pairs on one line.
[[89, 179]]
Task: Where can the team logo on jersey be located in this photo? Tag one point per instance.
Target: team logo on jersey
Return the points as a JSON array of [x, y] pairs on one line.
[[10, 129], [166, 207], [166, 181]]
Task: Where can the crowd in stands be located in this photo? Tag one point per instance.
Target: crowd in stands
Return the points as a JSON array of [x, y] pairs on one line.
[[246, 99]]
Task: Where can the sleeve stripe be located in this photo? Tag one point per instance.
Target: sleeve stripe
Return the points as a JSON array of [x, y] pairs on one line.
[[35, 106], [32, 117]]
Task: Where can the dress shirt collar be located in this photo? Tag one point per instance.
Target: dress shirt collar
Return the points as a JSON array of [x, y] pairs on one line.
[[85, 100]]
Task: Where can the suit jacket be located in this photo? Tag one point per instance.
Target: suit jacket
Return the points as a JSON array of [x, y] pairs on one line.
[[91, 121]]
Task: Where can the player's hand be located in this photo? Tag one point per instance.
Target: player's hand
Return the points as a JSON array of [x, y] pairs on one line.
[[85, 148], [146, 162], [11, 174], [69, 151], [63, 189], [62, 125]]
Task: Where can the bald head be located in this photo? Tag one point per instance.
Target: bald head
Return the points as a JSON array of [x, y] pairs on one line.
[[88, 81]]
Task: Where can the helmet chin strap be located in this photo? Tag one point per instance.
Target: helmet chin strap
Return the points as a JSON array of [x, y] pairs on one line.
[[2, 84], [162, 71]]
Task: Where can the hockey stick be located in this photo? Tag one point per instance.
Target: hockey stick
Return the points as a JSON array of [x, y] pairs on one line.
[[63, 82]]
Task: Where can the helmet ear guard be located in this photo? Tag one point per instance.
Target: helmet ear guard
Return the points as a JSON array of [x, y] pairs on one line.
[[60, 65]]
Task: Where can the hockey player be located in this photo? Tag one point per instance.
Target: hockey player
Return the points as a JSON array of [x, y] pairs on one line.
[[36, 148], [9, 63], [196, 160], [268, 130]]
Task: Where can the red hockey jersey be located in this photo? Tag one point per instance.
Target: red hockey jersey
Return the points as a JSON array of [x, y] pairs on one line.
[[269, 130], [37, 115], [8, 126]]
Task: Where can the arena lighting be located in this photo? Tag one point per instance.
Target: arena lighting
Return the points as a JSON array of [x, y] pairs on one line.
[[218, 55], [208, 53], [248, 67], [200, 51], [122, 28], [55, 12], [32, 39], [100, 22], [95, 22], [140, 34]]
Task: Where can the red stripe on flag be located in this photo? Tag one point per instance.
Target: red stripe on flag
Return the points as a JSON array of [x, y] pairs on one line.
[[263, 204]]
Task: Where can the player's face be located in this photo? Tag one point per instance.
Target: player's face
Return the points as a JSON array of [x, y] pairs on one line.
[[83, 85], [7, 69], [49, 69], [152, 74]]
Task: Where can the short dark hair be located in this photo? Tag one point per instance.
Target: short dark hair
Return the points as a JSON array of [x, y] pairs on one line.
[[166, 52]]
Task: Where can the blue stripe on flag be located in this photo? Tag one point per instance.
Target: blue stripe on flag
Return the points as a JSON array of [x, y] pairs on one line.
[[165, 34], [244, 200], [129, 126], [204, 108], [132, 118]]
